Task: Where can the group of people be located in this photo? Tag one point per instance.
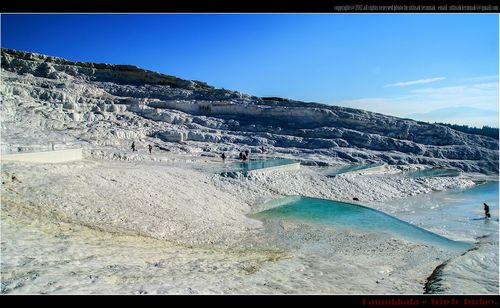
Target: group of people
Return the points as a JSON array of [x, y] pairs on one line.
[[134, 149], [243, 156]]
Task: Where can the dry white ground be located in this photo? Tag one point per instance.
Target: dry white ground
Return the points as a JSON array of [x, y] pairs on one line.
[[171, 224]]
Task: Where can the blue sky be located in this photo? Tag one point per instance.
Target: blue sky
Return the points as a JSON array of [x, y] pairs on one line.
[[427, 66]]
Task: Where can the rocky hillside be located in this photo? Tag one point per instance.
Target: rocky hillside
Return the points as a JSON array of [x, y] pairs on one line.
[[48, 100]]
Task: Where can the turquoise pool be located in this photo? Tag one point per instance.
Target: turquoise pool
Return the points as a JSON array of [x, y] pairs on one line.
[[260, 164], [432, 173], [352, 216]]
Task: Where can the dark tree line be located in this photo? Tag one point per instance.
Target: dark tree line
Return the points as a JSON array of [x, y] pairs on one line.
[[484, 131]]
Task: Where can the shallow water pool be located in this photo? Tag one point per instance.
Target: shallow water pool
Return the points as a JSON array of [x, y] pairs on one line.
[[356, 217], [458, 213], [260, 164], [432, 173]]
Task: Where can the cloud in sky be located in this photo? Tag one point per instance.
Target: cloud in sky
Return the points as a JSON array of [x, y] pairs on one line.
[[414, 82]]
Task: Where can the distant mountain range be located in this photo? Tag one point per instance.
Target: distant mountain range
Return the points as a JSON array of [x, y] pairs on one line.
[[453, 115]]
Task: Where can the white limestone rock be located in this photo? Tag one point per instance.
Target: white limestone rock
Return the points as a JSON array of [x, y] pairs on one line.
[[87, 101]]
